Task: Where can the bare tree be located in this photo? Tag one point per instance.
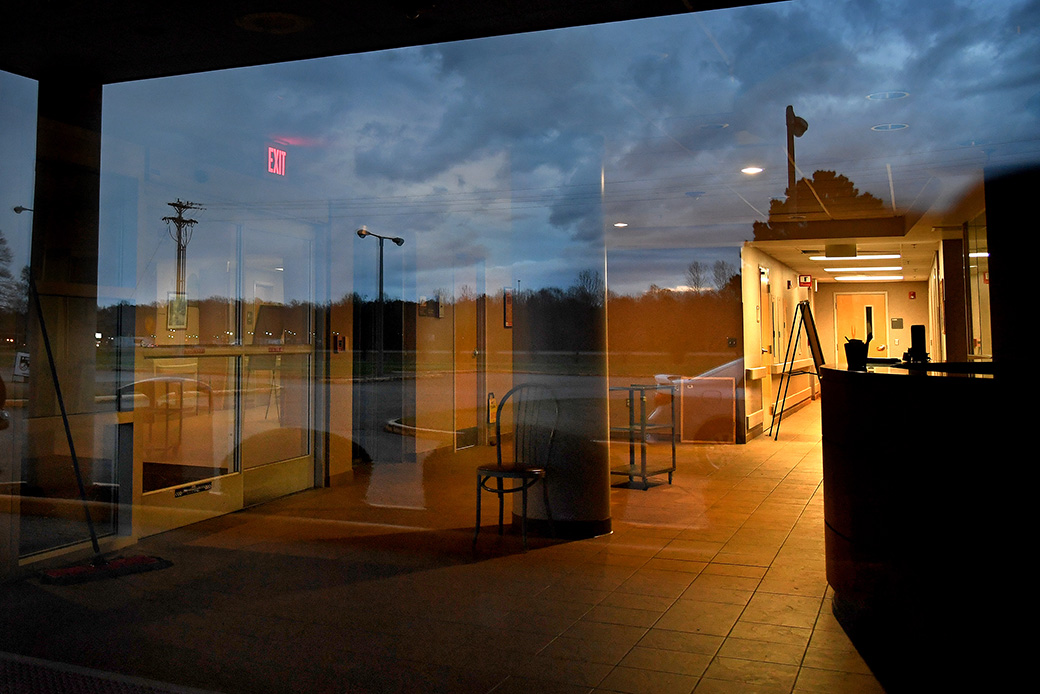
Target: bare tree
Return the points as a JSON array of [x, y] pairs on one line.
[[721, 273], [696, 274], [589, 286]]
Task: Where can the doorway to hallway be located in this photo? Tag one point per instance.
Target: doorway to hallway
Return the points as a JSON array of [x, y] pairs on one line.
[[859, 316]]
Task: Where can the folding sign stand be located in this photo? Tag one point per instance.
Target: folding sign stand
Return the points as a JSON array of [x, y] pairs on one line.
[[803, 316]]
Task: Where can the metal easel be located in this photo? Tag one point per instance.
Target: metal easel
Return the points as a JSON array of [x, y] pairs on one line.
[[803, 316]]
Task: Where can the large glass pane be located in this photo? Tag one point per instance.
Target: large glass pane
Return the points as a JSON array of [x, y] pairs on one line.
[[276, 396], [184, 419]]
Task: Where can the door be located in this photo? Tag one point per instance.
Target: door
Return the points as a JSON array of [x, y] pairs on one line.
[[765, 304], [221, 400], [855, 317], [466, 357]]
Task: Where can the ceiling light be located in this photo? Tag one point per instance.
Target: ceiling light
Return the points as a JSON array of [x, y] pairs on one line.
[[979, 254], [895, 268], [888, 96], [877, 256], [621, 225], [752, 170], [868, 278], [889, 127]]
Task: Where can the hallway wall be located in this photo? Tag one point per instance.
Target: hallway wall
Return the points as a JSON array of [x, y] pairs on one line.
[[913, 311]]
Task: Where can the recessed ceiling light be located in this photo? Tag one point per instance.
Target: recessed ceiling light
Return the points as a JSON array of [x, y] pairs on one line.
[[621, 225], [889, 127], [868, 278], [894, 268], [888, 96], [877, 256], [752, 170]]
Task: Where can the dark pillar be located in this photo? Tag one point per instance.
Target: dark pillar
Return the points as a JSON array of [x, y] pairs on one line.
[[955, 300], [65, 243]]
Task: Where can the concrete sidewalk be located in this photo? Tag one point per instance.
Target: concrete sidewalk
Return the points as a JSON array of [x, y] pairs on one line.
[[713, 584]]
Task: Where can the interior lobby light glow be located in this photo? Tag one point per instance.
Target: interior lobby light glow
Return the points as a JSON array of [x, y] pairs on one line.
[[868, 278], [891, 268], [841, 259], [979, 254], [752, 170]]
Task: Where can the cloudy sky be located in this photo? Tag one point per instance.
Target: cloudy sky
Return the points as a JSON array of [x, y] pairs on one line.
[[510, 159]]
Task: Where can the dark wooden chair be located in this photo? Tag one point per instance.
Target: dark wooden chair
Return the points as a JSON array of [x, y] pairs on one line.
[[534, 415]]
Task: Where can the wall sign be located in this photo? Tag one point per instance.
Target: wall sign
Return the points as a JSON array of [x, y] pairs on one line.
[[804, 280], [276, 161], [192, 489]]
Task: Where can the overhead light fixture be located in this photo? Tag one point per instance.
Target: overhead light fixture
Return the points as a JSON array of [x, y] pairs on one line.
[[621, 225], [895, 268], [889, 127], [877, 256], [979, 254], [888, 96], [752, 170], [868, 278]]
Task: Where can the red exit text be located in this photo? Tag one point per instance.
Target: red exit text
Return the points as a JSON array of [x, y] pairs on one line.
[[276, 161]]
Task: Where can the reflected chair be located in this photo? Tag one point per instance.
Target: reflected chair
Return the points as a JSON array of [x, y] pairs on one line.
[[535, 412]]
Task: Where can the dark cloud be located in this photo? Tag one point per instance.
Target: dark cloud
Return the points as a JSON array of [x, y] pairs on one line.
[[510, 135]]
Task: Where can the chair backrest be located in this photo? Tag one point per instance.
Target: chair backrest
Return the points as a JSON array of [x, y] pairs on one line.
[[535, 415]]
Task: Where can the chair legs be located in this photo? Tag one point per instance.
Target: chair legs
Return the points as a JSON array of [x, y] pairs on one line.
[[501, 504], [501, 491], [523, 517], [477, 530]]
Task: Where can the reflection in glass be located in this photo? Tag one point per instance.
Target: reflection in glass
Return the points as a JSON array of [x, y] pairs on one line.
[[275, 400], [978, 276], [184, 419]]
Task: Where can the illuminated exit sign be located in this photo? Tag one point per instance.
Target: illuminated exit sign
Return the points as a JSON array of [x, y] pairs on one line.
[[276, 161]]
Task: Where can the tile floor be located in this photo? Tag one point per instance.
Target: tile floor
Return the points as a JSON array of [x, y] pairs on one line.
[[712, 585]]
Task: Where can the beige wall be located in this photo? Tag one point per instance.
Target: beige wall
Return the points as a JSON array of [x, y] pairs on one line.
[[785, 295], [900, 305]]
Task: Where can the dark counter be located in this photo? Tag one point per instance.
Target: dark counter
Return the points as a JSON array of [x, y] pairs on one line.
[[909, 460]]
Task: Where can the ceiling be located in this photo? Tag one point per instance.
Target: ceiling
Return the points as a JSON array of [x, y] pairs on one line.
[[916, 248], [132, 40]]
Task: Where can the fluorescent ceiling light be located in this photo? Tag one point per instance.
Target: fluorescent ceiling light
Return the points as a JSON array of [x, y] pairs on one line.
[[752, 170], [893, 268], [979, 254], [839, 259], [621, 225], [868, 278]]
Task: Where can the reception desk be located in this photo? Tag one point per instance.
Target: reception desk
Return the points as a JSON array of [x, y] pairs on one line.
[[909, 462]]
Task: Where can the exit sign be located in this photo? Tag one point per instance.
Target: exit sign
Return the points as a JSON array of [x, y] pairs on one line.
[[276, 161]]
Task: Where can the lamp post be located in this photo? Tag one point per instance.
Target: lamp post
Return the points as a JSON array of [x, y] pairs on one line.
[[362, 233], [796, 127]]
